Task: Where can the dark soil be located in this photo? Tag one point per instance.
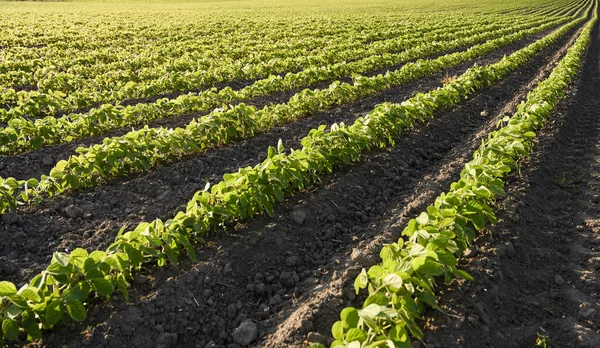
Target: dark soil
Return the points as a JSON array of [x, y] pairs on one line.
[[536, 271], [287, 276], [35, 163], [96, 215]]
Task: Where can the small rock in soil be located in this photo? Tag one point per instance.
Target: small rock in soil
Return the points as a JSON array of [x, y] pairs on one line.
[[307, 326], [298, 216], [596, 199], [246, 333], [72, 211], [10, 218], [315, 337], [330, 233], [586, 312], [20, 238], [286, 279], [7, 267], [47, 161], [166, 340], [231, 311], [559, 280], [260, 288], [349, 294], [361, 257], [292, 261]]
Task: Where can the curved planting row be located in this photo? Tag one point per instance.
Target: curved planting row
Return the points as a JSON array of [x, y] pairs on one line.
[[23, 134], [61, 291], [104, 90], [403, 284], [163, 61], [143, 149], [157, 46]]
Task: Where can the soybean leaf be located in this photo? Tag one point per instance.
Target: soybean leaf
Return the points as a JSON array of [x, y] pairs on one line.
[[76, 310], [7, 288]]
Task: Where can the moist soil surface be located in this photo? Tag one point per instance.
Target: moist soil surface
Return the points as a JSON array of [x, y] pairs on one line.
[[271, 281], [92, 218], [536, 271]]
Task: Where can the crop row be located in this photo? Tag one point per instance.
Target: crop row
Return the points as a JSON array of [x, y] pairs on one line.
[[61, 291], [557, 9], [140, 150], [403, 284], [184, 55], [114, 87], [173, 56], [23, 134]]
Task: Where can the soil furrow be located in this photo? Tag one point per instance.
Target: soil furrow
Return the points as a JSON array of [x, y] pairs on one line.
[[91, 219], [261, 269], [35, 163], [536, 271]]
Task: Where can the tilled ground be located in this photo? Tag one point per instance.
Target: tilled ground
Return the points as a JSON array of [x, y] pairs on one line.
[[285, 276], [92, 218], [536, 271], [33, 164]]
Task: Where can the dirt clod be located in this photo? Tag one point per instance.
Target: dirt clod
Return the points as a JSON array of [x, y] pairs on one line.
[[10, 218], [73, 211], [315, 337], [246, 333], [298, 216]]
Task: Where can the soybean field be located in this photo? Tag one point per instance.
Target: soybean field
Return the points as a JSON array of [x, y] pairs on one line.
[[246, 173]]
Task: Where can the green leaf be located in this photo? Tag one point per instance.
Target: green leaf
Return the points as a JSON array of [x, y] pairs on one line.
[[79, 292], [478, 221], [30, 293], [350, 317], [13, 311], [377, 298], [394, 281], [78, 257], [431, 267], [10, 328], [361, 281], [423, 218], [73, 181], [7, 288], [356, 335], [56, 269], [54, 312], [337, 330], [61, 258], [410, 228], [271, 152], [135, 256], [122, 284], [418, 262], [102, 286], [76, 310], [34, 332]]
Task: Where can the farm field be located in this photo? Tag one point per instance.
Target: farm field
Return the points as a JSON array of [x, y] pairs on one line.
[[291, 174]]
